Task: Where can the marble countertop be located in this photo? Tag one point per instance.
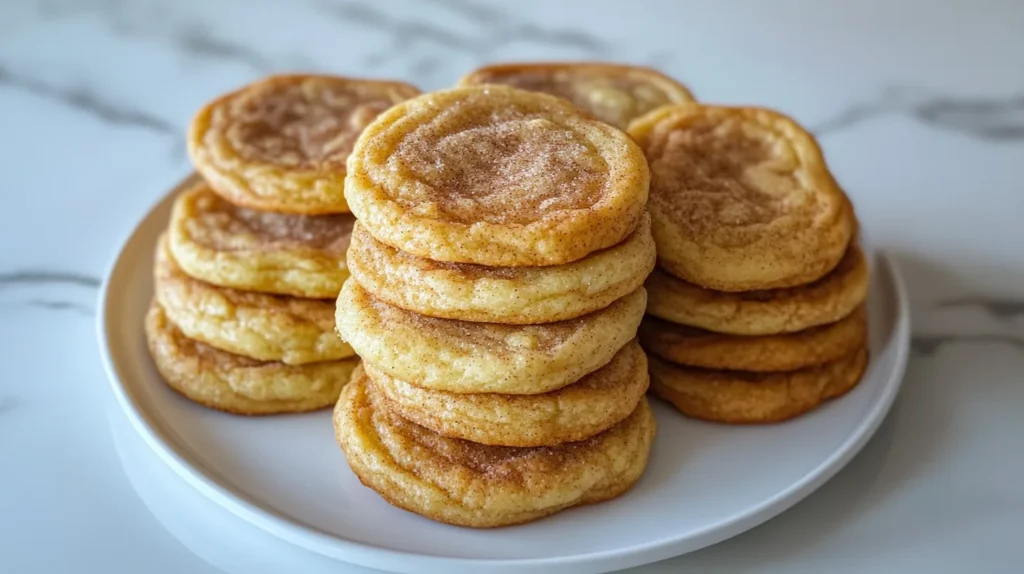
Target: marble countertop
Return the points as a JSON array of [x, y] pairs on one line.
[[919, 107]]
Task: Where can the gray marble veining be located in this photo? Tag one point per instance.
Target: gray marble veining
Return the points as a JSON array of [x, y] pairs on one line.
[[423, 44], [189, 37], [197, 40], [997, 307], [85, 100], [928, 345], [50, 305], [36, 277], [8, 403], [994, 119]]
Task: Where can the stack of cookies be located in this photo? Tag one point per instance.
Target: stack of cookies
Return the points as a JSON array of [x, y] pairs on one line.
[[497, 270], [757, 304], [246, 275]]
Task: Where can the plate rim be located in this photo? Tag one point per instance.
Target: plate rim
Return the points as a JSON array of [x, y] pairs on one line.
[[369, 555]]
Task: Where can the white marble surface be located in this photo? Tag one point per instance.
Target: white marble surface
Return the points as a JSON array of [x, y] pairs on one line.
[[919, 106]]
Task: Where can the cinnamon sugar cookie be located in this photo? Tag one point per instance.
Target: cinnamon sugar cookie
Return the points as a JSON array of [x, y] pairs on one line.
[[741, 198], [613, 93], [769, 312], [256, 325], [241, 248], [784, 352], [495, 176], [576, 412], [510, 295], [469, 484], [741, 397], [280, 144], [464, 357], [236, 384]]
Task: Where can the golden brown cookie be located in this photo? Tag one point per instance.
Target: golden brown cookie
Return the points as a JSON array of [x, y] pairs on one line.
[[741, 198], [220, 243], [786, 352], [613, 93], [510, 295], [496, 176], [280, 144], [470, 484], [769, 312], [255, 325], [742, 397], [236, 384], [576, 412], [464, 357]]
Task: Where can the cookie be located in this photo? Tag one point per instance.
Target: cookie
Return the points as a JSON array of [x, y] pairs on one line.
[[581, 410], [496, 176], [784, 352], [741, 397], [259, 326], [510, 295], [741, 198], [230, 246], [280, 144], [469, 484], [238, 385], [613, 93], [768, 312], [465, 357]]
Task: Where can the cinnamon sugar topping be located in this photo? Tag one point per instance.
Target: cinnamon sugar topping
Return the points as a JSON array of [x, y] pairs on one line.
[[481, 162], [304, 123], [614, 94], [720, 174]]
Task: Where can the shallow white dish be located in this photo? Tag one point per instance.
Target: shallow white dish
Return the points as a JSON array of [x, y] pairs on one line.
[[286, 475]]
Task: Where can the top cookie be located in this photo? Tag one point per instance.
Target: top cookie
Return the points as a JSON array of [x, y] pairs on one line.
[[495, 176], [741, 198], [280, 144], [613, 93]]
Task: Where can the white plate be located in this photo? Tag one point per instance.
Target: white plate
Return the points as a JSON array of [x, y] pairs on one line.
[[285, 474]]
